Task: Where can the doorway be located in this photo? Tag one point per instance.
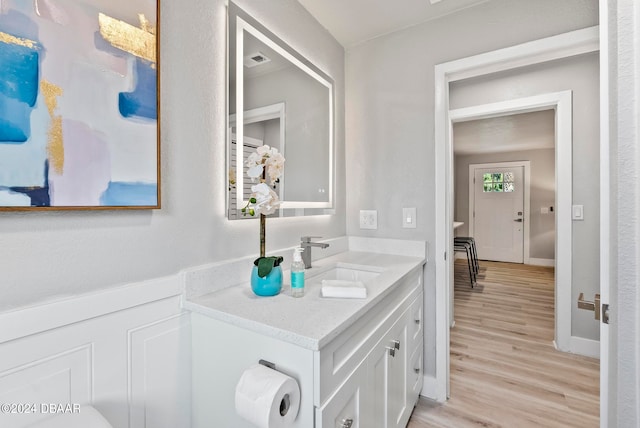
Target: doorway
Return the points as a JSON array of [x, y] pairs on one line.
[[570, 44]]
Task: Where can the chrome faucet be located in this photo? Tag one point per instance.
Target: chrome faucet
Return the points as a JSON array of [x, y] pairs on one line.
[[306, 244]]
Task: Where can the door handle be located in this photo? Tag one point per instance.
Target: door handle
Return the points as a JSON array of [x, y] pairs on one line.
[[590, 306], [519, 220]]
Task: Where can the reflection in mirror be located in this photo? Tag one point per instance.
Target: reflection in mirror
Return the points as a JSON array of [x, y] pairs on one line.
[[283, 101]]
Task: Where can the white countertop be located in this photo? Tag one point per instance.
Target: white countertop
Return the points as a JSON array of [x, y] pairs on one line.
[[310, 321]]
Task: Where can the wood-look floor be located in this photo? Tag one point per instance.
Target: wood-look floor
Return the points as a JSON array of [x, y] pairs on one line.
[[505, 371]]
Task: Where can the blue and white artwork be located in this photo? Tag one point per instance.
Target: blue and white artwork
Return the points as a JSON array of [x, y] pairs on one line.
[[78, 104]]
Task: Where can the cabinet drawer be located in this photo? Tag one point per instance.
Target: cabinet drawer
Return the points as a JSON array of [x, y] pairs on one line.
[[345, 408], [342, 355]]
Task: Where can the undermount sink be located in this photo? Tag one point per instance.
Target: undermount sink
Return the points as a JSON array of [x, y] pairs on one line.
[[346, 272]]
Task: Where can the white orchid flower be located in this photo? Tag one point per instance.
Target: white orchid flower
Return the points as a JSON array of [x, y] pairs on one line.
[[267, 201], [255, 172]]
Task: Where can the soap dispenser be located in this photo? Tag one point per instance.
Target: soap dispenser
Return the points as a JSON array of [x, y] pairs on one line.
[[297, 273]]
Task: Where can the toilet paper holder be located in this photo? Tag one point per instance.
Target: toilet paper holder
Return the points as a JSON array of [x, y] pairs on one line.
[[285, 404], [268, 364]]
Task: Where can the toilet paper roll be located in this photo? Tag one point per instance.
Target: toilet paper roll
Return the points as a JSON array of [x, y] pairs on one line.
[[267, 398]]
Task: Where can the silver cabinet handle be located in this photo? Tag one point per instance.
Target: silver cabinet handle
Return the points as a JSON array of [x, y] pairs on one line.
[[519, 220], [396, 344], [346, 423], [392, 351]]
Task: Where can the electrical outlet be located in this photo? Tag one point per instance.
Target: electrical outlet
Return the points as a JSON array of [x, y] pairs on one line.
[[409, 218], [368, 219]]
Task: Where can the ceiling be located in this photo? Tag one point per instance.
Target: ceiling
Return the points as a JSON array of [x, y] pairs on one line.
[[526, 131], [354, 21]]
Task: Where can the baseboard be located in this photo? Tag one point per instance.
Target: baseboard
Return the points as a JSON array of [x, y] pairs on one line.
[[429, 388], [541, 262], [586, 347]]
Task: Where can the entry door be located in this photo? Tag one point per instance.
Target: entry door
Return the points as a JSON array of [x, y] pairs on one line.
[[498, 226]]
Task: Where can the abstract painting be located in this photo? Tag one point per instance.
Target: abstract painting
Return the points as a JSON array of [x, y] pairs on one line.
[[79, 104]]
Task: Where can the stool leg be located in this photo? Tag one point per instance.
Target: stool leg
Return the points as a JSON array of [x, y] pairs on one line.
[[471, 273], [475, 255]]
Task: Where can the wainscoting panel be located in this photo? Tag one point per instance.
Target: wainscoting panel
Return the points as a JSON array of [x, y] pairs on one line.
[[127, 352], [157, 400], [62, 378]]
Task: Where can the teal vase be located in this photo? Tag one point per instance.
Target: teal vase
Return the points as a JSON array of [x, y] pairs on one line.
[[268, 284]]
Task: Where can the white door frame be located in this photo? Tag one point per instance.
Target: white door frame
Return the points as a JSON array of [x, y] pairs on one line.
[[561, 102], [556, 47], [526, 177], [605, 206]]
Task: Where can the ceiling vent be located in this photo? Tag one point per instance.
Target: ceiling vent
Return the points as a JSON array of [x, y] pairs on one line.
[[255, 59]]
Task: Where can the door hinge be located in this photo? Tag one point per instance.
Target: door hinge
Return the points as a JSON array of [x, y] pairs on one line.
[[605, 313]]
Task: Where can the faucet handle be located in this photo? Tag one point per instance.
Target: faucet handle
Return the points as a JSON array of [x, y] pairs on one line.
[[309, 238]]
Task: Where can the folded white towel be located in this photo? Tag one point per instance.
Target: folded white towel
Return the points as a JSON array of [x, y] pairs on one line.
[[343, 289]]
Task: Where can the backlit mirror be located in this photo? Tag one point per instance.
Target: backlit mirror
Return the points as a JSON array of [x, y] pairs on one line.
[[278, 98]]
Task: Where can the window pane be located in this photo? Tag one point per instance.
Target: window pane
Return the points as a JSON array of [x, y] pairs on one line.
[[487, 187], [497, 187], [497, 176], [509, 187], [508, 176], [486, 178]]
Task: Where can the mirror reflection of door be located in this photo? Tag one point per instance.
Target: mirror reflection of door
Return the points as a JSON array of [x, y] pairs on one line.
[[499, 213]]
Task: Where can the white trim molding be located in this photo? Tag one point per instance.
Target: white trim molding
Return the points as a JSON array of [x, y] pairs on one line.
[[48, 316], [561, 46], [586, 347], [541, 262]]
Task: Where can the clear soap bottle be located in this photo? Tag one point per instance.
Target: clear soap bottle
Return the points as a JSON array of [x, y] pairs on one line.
[[297, 273]]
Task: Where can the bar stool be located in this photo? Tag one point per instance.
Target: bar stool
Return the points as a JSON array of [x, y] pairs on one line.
[[460, 246], [474, 251]]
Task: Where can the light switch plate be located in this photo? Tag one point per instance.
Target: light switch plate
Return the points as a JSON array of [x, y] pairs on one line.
[[409, 218], [577, 212], [368, 219]]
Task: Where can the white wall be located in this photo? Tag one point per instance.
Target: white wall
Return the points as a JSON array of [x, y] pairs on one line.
[[542, 188], [390, 110], [49, 255]]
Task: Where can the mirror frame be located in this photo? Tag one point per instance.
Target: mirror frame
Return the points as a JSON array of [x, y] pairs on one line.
[[244, 22]]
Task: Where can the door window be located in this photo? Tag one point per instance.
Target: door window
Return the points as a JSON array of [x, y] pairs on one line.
[[498, 182]]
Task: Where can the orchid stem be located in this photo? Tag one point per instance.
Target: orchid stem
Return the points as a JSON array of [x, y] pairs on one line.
[[263, 223]]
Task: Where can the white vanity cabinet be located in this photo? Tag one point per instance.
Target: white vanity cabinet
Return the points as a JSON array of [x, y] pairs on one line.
[[358, 362], [382, 355]]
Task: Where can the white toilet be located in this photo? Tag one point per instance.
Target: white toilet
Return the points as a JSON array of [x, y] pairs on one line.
[[88, 417]]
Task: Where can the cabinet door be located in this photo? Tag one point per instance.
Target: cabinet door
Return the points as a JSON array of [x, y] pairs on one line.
[[387, 378], [345, 408], [377, 369], [397, 390]]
